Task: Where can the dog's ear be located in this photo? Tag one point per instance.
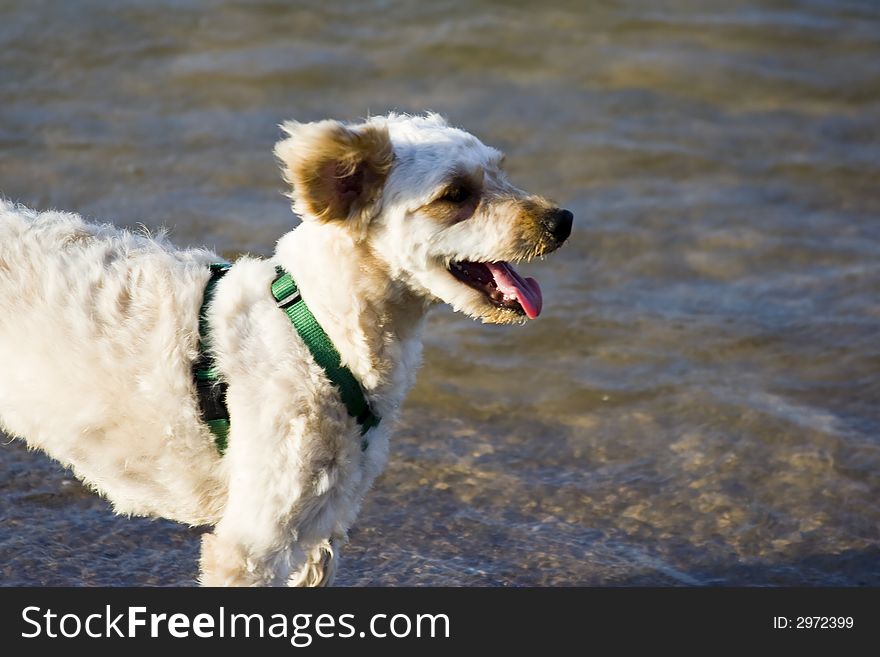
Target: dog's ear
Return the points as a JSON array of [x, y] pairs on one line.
[[336, 171]]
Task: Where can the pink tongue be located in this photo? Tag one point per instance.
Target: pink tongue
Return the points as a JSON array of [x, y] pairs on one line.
[[525, 290]]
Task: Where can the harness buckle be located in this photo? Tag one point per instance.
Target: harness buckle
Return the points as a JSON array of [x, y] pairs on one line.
[[289, 300]]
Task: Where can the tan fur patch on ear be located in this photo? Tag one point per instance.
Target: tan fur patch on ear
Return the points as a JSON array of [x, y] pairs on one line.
[[336, 171]]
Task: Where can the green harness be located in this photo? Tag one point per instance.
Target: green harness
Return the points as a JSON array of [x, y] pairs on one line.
[[211, 388]]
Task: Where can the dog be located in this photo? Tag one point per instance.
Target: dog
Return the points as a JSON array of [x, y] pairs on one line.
[[100, 329]]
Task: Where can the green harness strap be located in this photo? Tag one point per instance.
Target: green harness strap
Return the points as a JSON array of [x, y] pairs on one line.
[[210, 388], [288, 298], [212, 391]]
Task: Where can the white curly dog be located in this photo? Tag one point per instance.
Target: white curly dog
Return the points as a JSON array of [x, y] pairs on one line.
[[100, 332]]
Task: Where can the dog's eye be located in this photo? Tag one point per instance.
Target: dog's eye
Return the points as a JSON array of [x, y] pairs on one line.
[[456, 194]]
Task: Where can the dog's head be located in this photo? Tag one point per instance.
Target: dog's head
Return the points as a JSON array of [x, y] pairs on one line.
[[432, 202]]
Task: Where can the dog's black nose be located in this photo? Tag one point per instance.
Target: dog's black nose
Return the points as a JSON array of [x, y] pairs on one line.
[[558, 223]]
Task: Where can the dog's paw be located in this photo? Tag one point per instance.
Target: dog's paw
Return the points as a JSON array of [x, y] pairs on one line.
[[223, 564], [320, 567]]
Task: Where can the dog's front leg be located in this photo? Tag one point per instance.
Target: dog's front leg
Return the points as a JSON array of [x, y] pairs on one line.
[[226, 562], [248, 556], [229, 562], [285, 502], [255, 543]]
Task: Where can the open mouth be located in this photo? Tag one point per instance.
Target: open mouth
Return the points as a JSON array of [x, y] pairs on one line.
[[502, 286]]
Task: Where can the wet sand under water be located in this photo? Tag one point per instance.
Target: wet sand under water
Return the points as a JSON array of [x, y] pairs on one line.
[[450, 510]]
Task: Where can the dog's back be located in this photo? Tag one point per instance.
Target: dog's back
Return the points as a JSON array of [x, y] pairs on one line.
[[90, 315]]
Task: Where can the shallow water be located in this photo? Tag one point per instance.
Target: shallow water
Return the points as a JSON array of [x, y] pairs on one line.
[[698, 403]]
